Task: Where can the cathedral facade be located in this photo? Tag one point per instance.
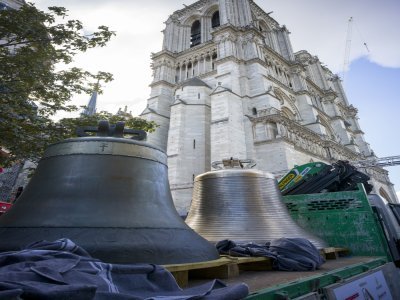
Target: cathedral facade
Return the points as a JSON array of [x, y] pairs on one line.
[[228, 84]]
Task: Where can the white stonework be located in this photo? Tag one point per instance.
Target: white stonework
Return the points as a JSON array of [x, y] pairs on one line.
[[228, 84], [12, 4]]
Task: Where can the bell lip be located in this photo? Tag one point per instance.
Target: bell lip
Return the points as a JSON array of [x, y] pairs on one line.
[[233, 173]]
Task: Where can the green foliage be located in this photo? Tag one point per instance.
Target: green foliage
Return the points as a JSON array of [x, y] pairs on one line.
[[32, 90]]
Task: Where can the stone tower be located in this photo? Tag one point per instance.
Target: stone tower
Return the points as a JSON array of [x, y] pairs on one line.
[[228, 84]]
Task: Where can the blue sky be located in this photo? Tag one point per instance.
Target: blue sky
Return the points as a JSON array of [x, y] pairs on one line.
[[374, 90], [318, 26]]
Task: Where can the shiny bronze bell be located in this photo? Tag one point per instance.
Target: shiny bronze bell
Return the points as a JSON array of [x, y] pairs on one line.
[[243, 205], [109, 195]]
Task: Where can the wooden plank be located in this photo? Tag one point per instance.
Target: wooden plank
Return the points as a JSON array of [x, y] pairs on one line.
[[181, 277], [260, 265], [221, 272], [334, 253], [343, 251], [224, 260], [222, 268]]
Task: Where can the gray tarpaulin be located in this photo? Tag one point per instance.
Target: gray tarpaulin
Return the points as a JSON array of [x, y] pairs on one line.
[[63, 270], [288, 254]]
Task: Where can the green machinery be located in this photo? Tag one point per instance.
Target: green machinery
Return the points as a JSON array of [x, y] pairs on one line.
[[299, 173], [316, 177], [342, 219]]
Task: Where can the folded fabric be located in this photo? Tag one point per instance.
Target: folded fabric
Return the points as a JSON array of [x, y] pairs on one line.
[[288, 254], [63, 270]]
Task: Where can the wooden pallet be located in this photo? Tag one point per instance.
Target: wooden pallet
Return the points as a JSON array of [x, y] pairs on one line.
[[222, 268], [229, 266], [334, 253]]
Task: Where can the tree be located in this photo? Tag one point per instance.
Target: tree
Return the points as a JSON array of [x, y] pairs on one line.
[[33, 45]]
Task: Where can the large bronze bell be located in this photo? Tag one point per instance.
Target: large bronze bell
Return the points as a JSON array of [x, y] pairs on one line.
[[109, 195], [243, 205]]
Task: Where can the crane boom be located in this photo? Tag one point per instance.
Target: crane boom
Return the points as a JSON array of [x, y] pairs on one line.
[[378, 162], [348, 46]]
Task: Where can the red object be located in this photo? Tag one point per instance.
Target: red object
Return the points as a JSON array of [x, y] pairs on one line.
[[4, 206]]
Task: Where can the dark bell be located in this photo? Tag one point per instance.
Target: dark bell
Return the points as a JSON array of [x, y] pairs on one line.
[[108, 194]]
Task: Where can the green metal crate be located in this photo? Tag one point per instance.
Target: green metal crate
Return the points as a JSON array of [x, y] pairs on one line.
[[315, 283], [342, 219]]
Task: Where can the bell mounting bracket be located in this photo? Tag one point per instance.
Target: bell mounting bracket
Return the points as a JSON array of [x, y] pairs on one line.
[[118, 131], [231, 163]]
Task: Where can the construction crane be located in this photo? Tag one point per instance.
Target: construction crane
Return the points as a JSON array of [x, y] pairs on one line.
[[377, 162], [347, 51], [348, 46]]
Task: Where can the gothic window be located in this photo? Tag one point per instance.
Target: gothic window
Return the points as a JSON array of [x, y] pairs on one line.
[[215, 20], [214, 57], [195, 34], [272, 130], [208, 59], [182, 73], [195, 67], [189, 70], [177, 74], [290, 81]]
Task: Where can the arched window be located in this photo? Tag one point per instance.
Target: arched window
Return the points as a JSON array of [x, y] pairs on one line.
[[189, 73], [195, 34], [214, 57], [254, 110], [215, 20], [177, 74]]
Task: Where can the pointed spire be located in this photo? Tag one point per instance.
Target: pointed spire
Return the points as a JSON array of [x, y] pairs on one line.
[[91, 107]]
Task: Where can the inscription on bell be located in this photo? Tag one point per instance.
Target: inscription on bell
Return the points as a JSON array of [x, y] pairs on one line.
[[103, 146]]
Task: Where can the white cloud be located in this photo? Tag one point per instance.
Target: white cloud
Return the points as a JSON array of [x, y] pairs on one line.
[[317, 26], [321, 27]]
